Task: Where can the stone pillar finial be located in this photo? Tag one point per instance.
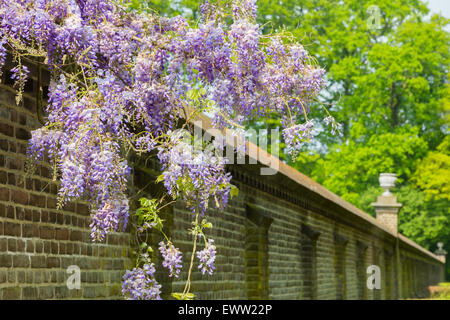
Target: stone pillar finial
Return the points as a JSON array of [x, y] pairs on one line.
[[387, 206], [440, 252], [387, 181]]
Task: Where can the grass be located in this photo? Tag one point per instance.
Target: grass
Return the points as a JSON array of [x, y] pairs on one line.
[[440, 292]]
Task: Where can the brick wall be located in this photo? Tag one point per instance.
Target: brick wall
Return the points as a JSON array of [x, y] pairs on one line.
[[38, 242], [276, 240]]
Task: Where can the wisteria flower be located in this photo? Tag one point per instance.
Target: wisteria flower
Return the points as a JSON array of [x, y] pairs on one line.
[[140, 284], [172, 258], [207, 256], [296, 136]]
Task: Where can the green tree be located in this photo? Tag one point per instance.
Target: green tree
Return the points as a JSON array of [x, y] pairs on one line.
[[388, 86], [433, 172]]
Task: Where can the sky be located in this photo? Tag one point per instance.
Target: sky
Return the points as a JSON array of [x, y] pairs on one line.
[[440, 6]]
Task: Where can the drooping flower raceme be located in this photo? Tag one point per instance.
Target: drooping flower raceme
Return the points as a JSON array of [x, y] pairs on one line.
[[296, 136], [140, 284], [335, 127], [172, 258], [207, 256], [194, 174]]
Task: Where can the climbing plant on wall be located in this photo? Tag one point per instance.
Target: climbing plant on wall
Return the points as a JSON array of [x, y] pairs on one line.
[[124, 79]]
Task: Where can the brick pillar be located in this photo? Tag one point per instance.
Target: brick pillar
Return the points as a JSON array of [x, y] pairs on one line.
[[387, 209], [440, 252], [387, 206]]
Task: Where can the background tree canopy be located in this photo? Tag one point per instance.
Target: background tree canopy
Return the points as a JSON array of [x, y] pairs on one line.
[[388, 86]]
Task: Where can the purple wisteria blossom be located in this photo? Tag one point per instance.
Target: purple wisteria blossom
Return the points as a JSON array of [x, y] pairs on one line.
[[172, 258], [108, 218], [335, 127], [207, 256], [140, 284], [20, 75], [296, 136], [123, 81], [194, 174]]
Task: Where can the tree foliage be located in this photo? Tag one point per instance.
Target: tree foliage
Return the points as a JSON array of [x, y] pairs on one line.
[[388, 86]]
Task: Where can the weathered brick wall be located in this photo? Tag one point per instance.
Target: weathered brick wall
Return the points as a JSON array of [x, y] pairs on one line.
[[337, 255], [38, 242], [276, 240]]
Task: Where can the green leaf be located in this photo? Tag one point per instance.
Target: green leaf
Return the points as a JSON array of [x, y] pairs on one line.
[[160, 178], [207, 225], [234, 191], [180, 296]]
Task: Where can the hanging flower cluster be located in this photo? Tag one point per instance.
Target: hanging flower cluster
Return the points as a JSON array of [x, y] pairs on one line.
[[207, 257], [140, 284], [172, 258], [194, 173], [122, 80]]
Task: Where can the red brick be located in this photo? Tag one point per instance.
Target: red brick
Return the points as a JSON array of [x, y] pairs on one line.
[[51, 203], [69, 206], [38, 262], [62, 234], [4, 194], [12, 146], [63, 248], [82, 209], [30, 293], [45, 172], [18, 196], [75, 236], [5, 260], [14, 115], [10, 293], [44, 216], [22, 119], [10, 212], [38, 246], [4, 145], [14, 164], [54, 248], [52, 217], [30, 246], [21, 261], [28, 215], [20, 213], [60, 218], [36, 216], [46, 232], [3, 245], [45, 292], [12, 229], [30, 231], [22, 148], [3, 177], [12, 244], [12, 179], [37, 200], [6, 129], [47, 247], [53, 262], [22, 134], [20, 245], [37, 184], [29, 184]]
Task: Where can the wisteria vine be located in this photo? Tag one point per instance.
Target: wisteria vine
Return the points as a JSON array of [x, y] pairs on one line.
[[121, 81]]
